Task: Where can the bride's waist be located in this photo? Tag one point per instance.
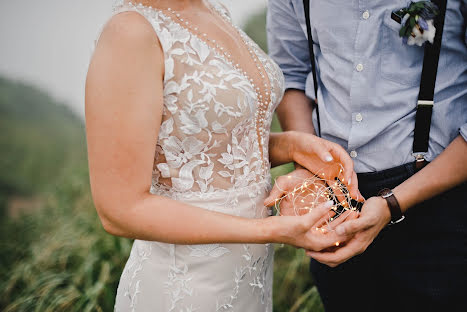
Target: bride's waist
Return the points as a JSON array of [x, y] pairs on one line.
[[244, 201]]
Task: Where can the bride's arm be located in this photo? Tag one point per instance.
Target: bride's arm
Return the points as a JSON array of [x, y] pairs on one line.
[[124, 105]]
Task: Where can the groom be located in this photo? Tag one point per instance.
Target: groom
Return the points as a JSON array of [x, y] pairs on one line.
[[368, 85]]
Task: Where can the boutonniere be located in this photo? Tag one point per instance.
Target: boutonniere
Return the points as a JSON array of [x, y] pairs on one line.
[[417, 20]]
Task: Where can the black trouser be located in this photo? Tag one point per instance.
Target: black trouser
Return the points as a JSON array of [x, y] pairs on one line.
[[419, 264]]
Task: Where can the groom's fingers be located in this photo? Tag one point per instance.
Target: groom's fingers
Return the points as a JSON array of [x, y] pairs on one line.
[[353, 226], [339, 255], [327, 241]]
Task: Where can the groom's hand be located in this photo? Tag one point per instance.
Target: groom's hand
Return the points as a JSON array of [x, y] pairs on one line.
[[374, 217]]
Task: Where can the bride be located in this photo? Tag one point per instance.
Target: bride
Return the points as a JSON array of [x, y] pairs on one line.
[[178, 108]]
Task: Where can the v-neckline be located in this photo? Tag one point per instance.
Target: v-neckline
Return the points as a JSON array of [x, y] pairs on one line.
[[266, 80], [245, 44]]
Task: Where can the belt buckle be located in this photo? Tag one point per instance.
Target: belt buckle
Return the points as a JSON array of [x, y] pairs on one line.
[[397, 221]]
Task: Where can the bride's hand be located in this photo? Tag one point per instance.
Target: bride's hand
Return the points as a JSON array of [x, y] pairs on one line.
[[291, 205], [284, 185], [326, 159], [300, 231]]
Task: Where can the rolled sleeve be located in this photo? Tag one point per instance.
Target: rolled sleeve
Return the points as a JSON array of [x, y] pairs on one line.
[[288, 44], [463, 131]]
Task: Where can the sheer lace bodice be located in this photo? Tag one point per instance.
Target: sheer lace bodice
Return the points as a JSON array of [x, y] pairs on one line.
[[211, 152], [209, 139]]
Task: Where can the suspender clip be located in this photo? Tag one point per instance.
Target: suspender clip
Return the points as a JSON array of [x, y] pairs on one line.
[[419, 157], [420, 160]]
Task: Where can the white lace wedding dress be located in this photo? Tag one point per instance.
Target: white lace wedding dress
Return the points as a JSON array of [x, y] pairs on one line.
[[212, 152]]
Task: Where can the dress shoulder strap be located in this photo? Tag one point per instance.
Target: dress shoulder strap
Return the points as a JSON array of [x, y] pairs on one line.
[[158, 21], [165, 29], [220, 7]]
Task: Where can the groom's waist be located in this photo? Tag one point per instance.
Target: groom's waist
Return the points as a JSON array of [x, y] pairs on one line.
[[378, 157], [370, 183], [386, 144]]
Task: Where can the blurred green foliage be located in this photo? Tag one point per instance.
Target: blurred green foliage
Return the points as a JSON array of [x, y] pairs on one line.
[[37, 138], [58, 257], [256, 29]]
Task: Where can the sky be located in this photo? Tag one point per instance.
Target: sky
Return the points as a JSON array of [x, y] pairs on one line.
[[48, 43]]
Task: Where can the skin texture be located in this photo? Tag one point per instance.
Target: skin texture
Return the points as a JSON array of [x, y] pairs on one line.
[[446, 171], [124, 104]]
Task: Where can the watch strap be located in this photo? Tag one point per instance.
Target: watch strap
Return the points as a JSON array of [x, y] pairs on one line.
[[393, 204]]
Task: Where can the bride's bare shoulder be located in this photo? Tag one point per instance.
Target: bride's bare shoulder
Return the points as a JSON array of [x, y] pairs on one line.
[[127, 55], [128, 29]]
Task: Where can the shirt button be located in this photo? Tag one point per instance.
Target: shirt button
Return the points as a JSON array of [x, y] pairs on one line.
[[359, 67], [358, 117], [353, 154], [366, 15]]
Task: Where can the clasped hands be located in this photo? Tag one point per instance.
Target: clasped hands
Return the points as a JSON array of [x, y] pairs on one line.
[[329, 240]]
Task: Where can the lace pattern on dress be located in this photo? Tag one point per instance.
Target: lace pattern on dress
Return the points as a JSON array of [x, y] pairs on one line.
[[207, 154], [208, 140]]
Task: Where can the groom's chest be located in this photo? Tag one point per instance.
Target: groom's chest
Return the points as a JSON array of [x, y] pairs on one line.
[[338, 23]]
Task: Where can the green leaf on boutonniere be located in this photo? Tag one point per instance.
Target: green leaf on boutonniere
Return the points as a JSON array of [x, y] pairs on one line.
[[403, 30], [415, 19]]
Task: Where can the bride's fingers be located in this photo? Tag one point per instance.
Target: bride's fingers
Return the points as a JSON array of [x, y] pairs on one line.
[[353, 189], [284, 185], [280, 188], [324, 220], [324, 153], [317, 213], [273, 196], [341, 156]]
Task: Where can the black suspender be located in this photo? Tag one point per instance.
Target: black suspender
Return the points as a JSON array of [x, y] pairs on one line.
[[306, 5], [427, 86], [427, 83]]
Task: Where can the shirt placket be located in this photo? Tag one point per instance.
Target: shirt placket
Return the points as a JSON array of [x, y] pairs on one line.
[[359, 76]]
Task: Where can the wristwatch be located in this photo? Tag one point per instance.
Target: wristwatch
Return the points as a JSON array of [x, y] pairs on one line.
[[393, 204]]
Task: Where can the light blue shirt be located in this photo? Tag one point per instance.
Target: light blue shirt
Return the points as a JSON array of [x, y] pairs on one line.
[[368, 78]]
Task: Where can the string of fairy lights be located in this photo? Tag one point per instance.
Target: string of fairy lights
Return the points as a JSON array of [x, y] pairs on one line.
[[310, 192]]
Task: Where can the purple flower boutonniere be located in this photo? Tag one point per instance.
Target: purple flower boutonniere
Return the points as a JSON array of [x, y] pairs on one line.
[[417, 21]]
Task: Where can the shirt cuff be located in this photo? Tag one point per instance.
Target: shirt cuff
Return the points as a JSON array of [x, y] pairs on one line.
[[294, 82], [463, 131], [295, 85]]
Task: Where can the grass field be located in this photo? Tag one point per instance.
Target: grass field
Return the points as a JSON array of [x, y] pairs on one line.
[[56, 257]]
